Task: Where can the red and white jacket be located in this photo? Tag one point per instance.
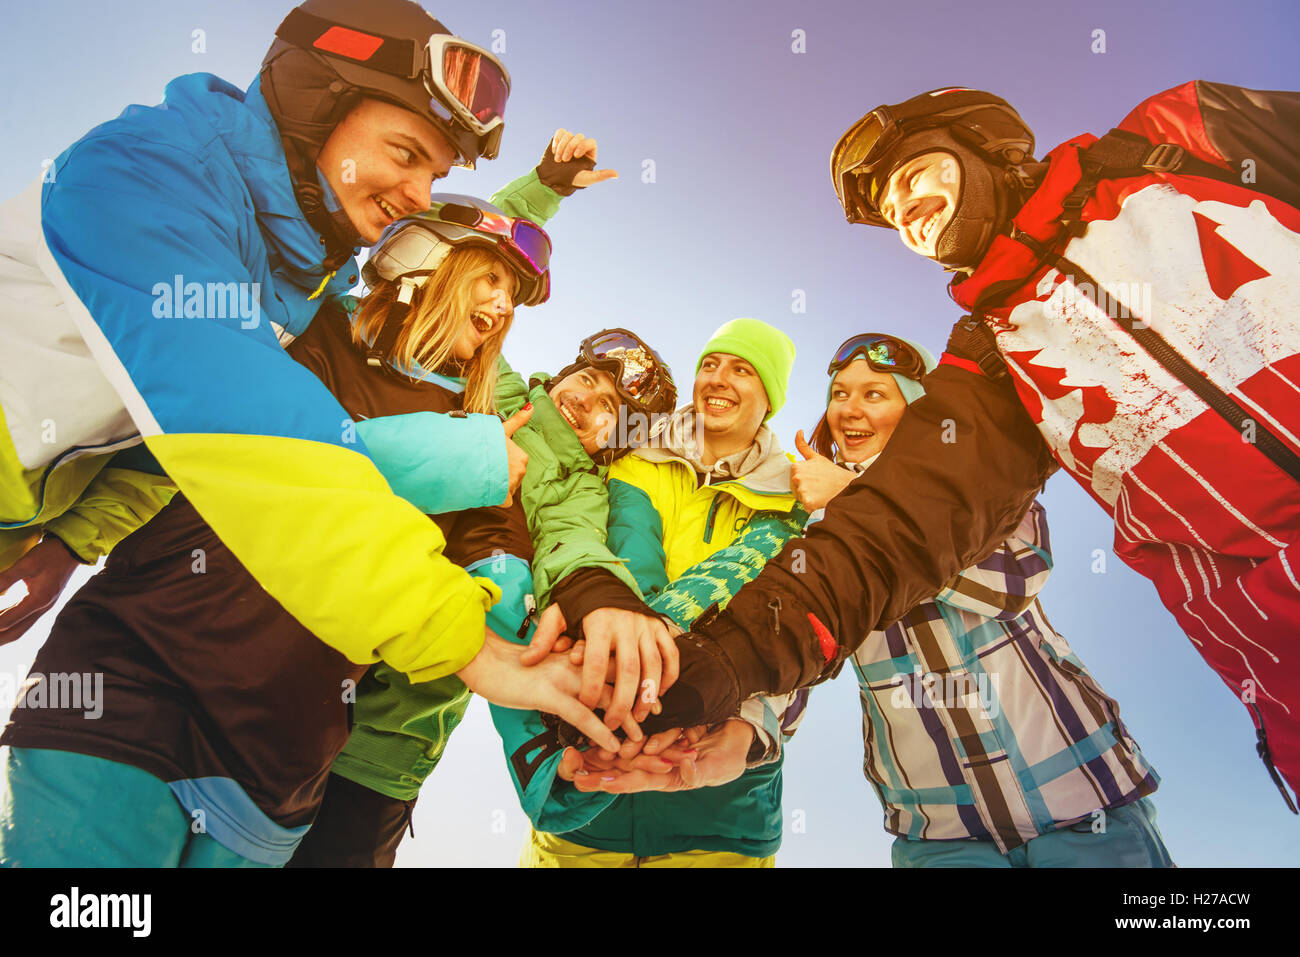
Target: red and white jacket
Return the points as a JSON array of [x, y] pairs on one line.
[[1214, 268]]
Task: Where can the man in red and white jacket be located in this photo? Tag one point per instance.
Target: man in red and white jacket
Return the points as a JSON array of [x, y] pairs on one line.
[[1198, 245]]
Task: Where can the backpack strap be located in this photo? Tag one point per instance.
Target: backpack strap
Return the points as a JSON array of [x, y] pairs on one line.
[[972, 339], [1121, 154]]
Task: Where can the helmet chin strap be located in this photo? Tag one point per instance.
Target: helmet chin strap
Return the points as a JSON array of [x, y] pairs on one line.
[[316, 112], [378, 353]]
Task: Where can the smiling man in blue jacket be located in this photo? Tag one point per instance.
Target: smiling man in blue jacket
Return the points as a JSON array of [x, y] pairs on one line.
[[155, 274]]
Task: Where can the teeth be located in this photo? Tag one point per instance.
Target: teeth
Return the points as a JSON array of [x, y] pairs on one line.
[[720, 405], [388, 210], [568, 416]]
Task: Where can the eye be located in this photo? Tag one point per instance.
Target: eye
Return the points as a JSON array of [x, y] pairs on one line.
[[407, 156], [875, 394]]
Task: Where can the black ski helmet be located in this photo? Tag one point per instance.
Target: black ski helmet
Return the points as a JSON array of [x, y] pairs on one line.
[[327, 56], [631, 362], [986, 136]]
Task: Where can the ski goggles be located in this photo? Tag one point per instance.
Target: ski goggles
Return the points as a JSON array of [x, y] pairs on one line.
[[415, 247], [864, 144], [526, 243], [883, 353], [470, 82], [644, 380]]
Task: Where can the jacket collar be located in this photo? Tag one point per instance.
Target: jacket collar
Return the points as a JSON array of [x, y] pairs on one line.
[[242, 122], [762, 467], [1039, 218]]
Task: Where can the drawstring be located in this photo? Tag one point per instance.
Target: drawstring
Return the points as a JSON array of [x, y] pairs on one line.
[[1262, 749]]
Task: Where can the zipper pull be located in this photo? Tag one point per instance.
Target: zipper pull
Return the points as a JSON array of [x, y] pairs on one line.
[[775, 605]]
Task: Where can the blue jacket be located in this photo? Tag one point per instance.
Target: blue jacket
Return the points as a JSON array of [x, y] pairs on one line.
[[179, 257]]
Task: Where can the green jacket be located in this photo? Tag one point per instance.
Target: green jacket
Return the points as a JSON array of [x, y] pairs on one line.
[[690, 545], [564, 498]]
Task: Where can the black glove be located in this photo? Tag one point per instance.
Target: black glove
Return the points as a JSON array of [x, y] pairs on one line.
[[565, 734], [559, 176], [705, 692]]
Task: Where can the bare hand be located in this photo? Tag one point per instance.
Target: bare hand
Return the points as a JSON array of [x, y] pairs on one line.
[[45, 570], [720, 758], [516, 458], [816, 480], [498, 674], [636, 652]]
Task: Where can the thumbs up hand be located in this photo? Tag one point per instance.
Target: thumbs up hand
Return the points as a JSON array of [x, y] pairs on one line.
[[816, 480]]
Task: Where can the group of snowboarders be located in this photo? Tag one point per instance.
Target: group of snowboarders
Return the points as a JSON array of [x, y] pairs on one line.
[[328, 522]]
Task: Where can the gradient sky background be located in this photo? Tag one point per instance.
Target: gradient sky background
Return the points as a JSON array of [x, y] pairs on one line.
[[740, 215]]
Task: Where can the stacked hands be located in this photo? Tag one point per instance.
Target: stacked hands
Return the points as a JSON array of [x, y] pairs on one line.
[[627, 660]]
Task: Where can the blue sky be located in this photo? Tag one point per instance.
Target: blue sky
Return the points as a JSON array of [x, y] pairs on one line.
[[740, 220]]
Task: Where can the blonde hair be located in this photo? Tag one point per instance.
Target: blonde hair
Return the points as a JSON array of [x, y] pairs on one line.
[[440, 311]]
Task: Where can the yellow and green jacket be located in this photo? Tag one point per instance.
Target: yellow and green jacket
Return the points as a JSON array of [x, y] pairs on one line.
[[691, 537]]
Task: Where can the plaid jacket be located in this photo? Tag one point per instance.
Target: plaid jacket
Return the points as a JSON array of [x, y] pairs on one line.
[[978, 719]]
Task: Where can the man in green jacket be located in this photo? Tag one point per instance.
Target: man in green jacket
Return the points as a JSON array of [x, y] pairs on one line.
[[696, 515], [401, 729]]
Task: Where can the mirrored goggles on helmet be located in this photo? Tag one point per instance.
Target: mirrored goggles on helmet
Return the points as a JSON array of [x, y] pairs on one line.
[[415, 248], [643, 379], [883, 353], [525, 242], [470, 82]]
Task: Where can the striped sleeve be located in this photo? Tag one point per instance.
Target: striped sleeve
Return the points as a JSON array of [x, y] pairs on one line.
[[1005, 584]]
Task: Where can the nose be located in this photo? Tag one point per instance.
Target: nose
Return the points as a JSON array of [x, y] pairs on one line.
[[503, 302], [416, 193], [714, 377]]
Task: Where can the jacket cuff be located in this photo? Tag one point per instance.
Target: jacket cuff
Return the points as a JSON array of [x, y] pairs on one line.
[[767, 739], [440, 463], [587, 589]]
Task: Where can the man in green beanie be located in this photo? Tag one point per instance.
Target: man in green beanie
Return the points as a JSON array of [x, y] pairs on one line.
[[714, 477], [740, 383]]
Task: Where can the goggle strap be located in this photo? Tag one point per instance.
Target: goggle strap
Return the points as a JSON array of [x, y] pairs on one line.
[[392, 55]]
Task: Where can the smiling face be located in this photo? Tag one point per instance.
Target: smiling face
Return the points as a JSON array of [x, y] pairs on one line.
[[730, 402], [381, 161], [492, 304], [920, 199], [589, 402], [864, 410]]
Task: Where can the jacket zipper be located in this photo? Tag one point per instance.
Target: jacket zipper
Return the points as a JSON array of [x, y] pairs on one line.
[[708, 523]]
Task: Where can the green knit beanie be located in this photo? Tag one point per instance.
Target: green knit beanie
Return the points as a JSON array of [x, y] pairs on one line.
[[769, 350]]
